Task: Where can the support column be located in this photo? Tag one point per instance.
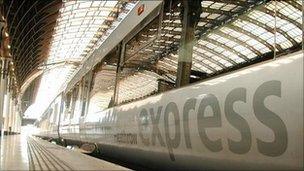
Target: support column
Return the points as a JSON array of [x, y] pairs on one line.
[[15, 125], [120, 63], [4, 73], [18, 122], [190, 16], [6, 111], [12, 115], [7, 104], [15, 117]]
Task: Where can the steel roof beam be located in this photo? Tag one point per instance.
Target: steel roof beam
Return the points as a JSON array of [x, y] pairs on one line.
[[35, 47], [15, 15], [34, 54], [9, 8], [217, 23], [282, 16], [20, 49], [230, 49], [295, 4], [218, 11], [205, 65], [33, 18], [234, 2], [210, 59], [216, 53], [269, 29], [238, 41], [262, 41], [21, 20]]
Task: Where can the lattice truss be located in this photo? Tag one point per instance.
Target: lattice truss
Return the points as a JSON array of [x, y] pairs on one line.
[[230, 33], [80, 28]]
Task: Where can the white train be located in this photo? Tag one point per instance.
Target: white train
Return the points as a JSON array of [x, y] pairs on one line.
[[250, 119]]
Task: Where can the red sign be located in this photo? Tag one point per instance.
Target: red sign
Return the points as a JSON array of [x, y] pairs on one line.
[[141, 9]]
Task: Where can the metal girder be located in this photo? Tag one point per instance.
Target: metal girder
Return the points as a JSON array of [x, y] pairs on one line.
[[19, 49], [26, 42], [9, 8], [230, 49], [143, 46], [168, 69], [34, 38], [21, 20], [33, 57], [165, 31], [165, 43], [218, 11], [190, 15], [170, 62], [34, 53], [295, 4], [207, 58], [171, 24], [15, 14], [205, 65], [234, 2], [266, 27], [33, 18], [282, 16], [262, 41], [216, 53], [219, 23], [238, 41], [174, 18]]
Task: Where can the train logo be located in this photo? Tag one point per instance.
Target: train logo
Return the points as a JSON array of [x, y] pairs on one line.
[[172, 140]]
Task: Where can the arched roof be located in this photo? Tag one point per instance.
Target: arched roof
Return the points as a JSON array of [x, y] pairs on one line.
[[30, 28], [230, 34]]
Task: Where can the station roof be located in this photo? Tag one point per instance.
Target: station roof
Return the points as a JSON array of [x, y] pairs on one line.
[[230, 35], [80, 25], [30, 28], [56, 37]]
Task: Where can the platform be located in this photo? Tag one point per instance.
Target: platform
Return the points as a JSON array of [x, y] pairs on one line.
[[30, 153]]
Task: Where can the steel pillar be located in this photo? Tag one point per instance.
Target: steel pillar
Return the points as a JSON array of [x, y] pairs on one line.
[[4, 74], [6, 111], [12, 117], [120, 63], [190, 15]]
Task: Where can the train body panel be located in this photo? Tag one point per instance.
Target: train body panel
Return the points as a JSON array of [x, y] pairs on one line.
[[248, 119]]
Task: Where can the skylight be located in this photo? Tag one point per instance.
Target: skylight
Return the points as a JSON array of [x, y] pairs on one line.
[[79, 23]]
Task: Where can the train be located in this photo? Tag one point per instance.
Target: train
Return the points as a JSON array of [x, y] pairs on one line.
[[248, 119]]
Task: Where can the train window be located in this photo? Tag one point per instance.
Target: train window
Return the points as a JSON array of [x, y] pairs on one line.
[[74, 99], [55, 114], [68, 99], [86, 88], [83, 108]]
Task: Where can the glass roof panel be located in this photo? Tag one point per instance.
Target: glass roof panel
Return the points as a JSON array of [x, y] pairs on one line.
[[77, 25], [249, 36], [70, 31], [287, 10], [137, 85], [238, 47]]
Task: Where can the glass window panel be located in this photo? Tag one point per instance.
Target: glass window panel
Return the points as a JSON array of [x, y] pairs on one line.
[[228, 7]]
